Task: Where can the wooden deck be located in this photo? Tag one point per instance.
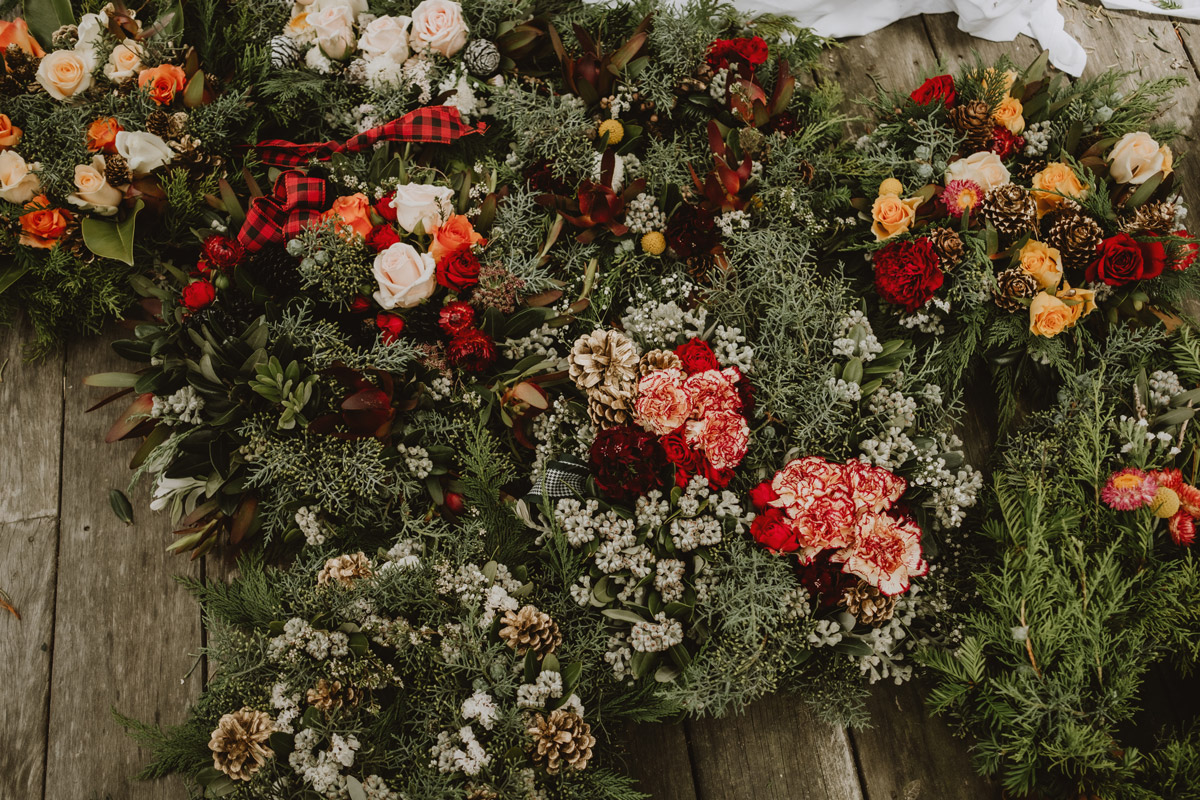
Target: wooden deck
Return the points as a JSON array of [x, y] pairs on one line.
[[104, 626]]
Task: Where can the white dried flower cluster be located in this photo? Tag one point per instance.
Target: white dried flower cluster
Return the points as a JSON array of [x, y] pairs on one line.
[[459, 752], [652, 509], [654, 321], [547, 686], [183, 406], [929, 318], [1037, 138], [287, 707], [405, 554], [718, 85], [377, 789], [844, 391], [1137, 438], [469, 105], [416, 460], [310, 525], [731, 221], [475, 589], [657, 636], [732, 349], [440, 387], [668, 579], [393, 632], [300, 639], [544, 342], [1164, 384], [796, 604], [643, 215], [856, 339], [583, 522], [618, 655], [826, 633], [322, 771], [563, 430], [481, 708], [688, 533]]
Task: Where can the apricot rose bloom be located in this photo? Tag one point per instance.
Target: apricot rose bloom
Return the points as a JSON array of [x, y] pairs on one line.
[[162, 82], [10, 134], [353, 210], [1081, 301], [17, 32], [41, 225], [453, 235], [891, 216], [1009, 115], [1049, 316], [1054, 185], [1043, 262]]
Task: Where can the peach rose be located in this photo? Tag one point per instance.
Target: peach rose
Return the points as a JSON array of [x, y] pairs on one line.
[[102, 135], [406, 278], [421, 204], [1043, 263], [41, 225], [353, 210], [17, 32], [725, 439], [1136, 157], [438, 25], [92, 191], [1053, 185], [1049, 316], [662, 405], [985, 168], [64, 74], [1081, 301], [1009, 115], [162, 82], [18, 183], [451, 236], [10, 134], [124, 61], [891, 216]]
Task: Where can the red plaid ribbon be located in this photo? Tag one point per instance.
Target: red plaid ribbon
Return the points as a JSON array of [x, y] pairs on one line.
[[295, 202], [435, 124]]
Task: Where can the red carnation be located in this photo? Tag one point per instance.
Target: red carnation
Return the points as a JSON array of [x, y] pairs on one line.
[[382, 237], [825, 580], [1005, 142], [198, 294], [389, 326], [458, 270], [456, 317], [940, 88], [1121, 259], [750, 52], [762, 495], [471, 350], [222, 252], [692, 231], [907, 273], [771, 530], [696, 356], [1185, 254], [383, 207], [627, 462]]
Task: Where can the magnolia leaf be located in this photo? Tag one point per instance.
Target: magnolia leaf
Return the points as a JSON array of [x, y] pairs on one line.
[[1145, 191], [111, 380], [623, 615], [355, 789], [11, 275], [44, 17], [111, 239]]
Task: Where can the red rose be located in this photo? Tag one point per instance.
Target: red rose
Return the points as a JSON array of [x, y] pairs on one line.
[[1121, 259], [456, 317], [198, 294], [222, 252], [382, 237], [680, 453], [907, 273], [762, 495], [384, 208], [717, 478], [1185, 254], [696, 356], [1005, 142], [770, 529], [750, 52], [458, 270], [471, 350], [360, 304], [939, 88], [389, 326]]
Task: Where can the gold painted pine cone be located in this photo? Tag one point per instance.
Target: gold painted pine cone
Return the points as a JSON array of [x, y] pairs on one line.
[[605, 359], [948, 245], [1157, 217], [656, 360], [1074, 234], [561, 739], [530, 629], [869, 605], [1010, 209], [1013, 285]]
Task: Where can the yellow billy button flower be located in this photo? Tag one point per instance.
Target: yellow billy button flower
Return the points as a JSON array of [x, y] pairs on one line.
[[891, 186], [654, 243], [1165, 503], [614, 129]]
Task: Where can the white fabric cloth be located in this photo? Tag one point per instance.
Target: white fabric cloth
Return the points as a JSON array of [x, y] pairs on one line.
[[1188, 9]]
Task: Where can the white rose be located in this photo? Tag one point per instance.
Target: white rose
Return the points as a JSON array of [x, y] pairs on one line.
[[356, 7], [92, 190], [64, 74], [438, 25], [1136, 157], [334, 27], [421, 204], [124, 61], [18, 183], [144, 152], [91, 30], [985, 168], [386, 37], [406, 278]]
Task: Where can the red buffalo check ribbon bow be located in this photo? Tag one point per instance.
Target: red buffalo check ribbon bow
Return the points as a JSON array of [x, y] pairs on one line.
[[432, 124], [295, 202]]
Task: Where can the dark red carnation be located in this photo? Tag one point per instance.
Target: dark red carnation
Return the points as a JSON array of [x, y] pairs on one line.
[[696, 356], [907, 273], [771, 530], [692, 231], [542, 178], [458, 270], [456, 317], [382, 237], [745, 390], [762, 495], [222, 252], [389, 326], [825, 580], [471, 350], [1185, 253], [383, 207], [1122, 259], [940, 88], [627, 463], [198, 294], [748, 52], [1005, 142], [360, 304]]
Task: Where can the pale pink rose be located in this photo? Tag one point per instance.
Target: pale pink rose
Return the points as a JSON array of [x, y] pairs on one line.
[[64, 74], [985, 168], [406, 278], [18, 182], [438, 25], [662, 404], [334, 29], [386, 37], [124, 62], [422, 204], [725, 439]]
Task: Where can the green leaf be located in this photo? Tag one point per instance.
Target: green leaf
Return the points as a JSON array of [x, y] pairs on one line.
[[623, 615], [111, 239], [355, 788], [111, 380], [47, 16], [1145, 191], [12, 275], [121, 506]]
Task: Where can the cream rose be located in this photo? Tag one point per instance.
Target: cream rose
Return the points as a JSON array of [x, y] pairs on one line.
[[18, 183], [92, 191], [124, 61], [334, 29], [386, 37], [438, 25], [406, 278], [144, 152], [422, 204], [985, 168], [64, 74], [356, 6], [1136, 157], [1044, 263]]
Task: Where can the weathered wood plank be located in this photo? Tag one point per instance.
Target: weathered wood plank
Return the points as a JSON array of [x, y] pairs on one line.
[[126, 634], [777, 748], [955, 47], [31, 433], [659, 759]]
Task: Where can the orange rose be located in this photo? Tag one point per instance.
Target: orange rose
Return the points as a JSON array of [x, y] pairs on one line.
[[1009, 115], [1053, 185], [41, 225], [17, 32], [891, 216], [163, 82], [451, 236], [102, 135], [1049, 316], [1081, 301], [9, 134], [1043, 263], [353, 210]]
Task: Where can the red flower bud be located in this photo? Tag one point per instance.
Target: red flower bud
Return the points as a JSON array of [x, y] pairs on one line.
[[198, 294], [382, 237], [389, 326], [383, 207], [455, 502], [360, 304]]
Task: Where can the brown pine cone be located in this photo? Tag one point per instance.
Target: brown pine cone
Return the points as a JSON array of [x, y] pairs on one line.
[[239, 743], [561, 739], [974, 121], [1013, 285], [530, 629], [330, 695], [345, 569], [609, 411], [655, 360], [1010, 209], [869, 605], [948, 245], [22, 67], [1156, 217], [605, 360], [1074, 234], [116, 170]]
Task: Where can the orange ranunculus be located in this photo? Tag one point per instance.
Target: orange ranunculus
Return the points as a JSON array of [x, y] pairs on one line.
[[451, 236], [17, 32], [42, 225], [353, 210], [162, 82], [9, 134], [102, 135]]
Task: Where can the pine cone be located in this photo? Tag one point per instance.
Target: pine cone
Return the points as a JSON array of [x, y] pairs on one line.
[[480, 791], [330, 695], [869, 605], [530, 629], [807, 172], [1025, 170], [604, 361], [608, 411], [656, 360], [1156, 217], [974, 121], [1011, 210], [948, 246], [1074, 234], [239, 743], [283, 51], [345, 569], [562, 738], [116, 170], [22, 67], [159, 123], [481, 58], [275, 269], [1012, 285], [178, 126]]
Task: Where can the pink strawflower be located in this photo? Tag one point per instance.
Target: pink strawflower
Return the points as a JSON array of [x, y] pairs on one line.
[[961, 196], [1129, 489]]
